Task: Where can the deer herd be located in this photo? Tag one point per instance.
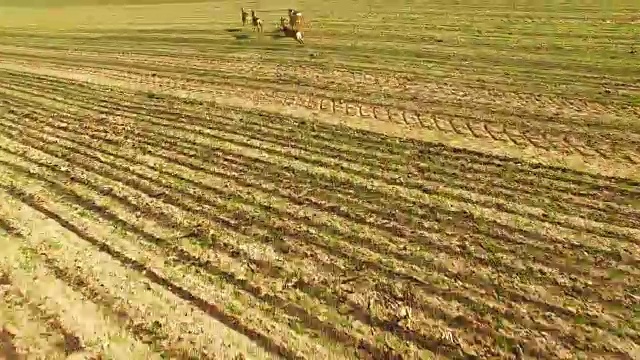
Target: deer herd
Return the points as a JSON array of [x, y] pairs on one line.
[[293, 30]]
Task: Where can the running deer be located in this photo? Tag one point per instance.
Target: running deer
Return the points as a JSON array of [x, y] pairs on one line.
[[295, 19], [289, 32]]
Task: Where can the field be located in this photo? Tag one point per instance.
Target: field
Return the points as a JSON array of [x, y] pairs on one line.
[[421, 180]]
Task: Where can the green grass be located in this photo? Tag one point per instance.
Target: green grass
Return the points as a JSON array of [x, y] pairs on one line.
[[555, 47], [295, 206], [58, 3]]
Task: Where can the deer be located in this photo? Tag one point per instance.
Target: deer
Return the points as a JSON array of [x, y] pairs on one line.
[[245, 16], [295, 19], [256, 22], [289, 32]]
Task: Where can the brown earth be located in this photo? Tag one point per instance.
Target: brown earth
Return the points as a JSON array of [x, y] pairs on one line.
[[159, 199]]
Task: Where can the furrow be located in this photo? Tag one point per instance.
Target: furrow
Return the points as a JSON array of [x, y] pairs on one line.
[[79, 324], [124, 296], [156, 82], [455, 250], [376, 322], [597, 231], [598, 187], [168, 135], [166, 281]]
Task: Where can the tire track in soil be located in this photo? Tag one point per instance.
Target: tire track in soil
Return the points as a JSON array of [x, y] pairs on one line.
[[189, 259], [231, 66], [329, 134], [531, 137], [202, 62], [536, 166], [549, 220], [280, 214], [442, 162], [210, 309], [413, 148], [421, 339], [457, 152], [400, 179], [455, 120], [169, 136], [542, 219]]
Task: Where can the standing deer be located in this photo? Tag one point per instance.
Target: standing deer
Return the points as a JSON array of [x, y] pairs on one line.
[[245, 16], [256, 22]]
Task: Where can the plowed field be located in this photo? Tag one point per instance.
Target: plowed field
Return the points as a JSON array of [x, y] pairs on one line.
[[425, 180]]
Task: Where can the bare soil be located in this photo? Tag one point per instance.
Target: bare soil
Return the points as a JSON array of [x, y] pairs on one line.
[[458, 185]]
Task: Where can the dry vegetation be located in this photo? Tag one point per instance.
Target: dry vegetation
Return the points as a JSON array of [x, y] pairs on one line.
[[445, 179]]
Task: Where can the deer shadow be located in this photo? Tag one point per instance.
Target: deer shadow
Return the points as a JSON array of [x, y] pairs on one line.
[[237, 33], [241, 36], [276, 34]]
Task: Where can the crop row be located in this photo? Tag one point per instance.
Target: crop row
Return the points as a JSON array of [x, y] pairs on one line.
[[155, 150]]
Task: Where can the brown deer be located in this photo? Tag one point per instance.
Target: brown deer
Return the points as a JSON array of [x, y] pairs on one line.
[[245, 16], [295, 19], [289, 32], [256, 22]]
